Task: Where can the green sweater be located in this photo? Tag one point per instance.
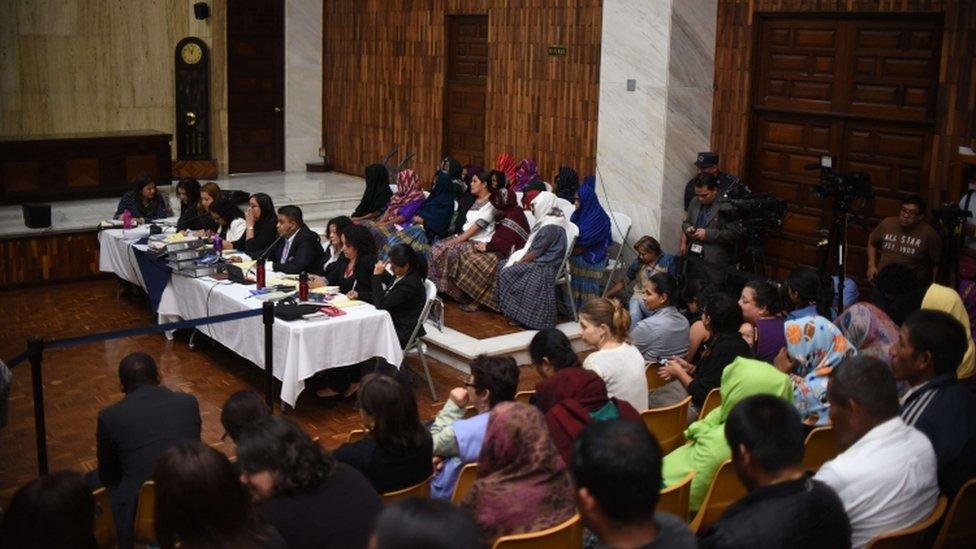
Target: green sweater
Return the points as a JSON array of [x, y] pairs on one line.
[[707, 448]]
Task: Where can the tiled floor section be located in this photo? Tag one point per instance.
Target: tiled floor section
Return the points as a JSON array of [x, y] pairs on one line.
[[80, 381]]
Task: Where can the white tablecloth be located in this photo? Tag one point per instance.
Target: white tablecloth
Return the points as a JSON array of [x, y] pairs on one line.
[[301, 348]]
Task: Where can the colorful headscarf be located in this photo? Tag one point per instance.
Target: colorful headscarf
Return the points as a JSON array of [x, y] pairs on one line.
[[567, 182], [523, 484], [869, 330], [505, 163], [525, 173], [947, 300], [408, 190], [818, 347], [545, 212], [511, 227], [377, 193], [593, 223]]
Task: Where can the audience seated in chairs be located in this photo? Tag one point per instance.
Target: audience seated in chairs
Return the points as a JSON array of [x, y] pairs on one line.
[[650, 260], [931, 343], [707, 448], [664, 331], [397, 450], [869, 330], [762, 307], [240, 410], [527, 283], [523, 485], [299, 249], [722, 318], [458, 441], [526, 172], [695, 295], [403, 207], [814, 347], [376, 195], [785, 506], [886, 474], [570, 397], [809, 293], [200, 502], [897, 292], [425, 524], [302, 491], [605, 325], [617, 468], [428, 219], [477, 271], [53, 511], [135, 431], [589, 257], [947, 300], [402, 294], [478, 226], [144, 201]]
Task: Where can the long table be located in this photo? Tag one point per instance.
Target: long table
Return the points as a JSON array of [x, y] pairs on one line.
[[301, 348]]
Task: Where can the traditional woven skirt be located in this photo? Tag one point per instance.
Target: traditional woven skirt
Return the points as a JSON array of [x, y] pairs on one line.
[[477, 273], [587, 279], [527, 294], [444, 258], [413, 236]]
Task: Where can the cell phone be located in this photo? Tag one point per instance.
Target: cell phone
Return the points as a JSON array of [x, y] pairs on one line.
[[690, 230], [663, 362]]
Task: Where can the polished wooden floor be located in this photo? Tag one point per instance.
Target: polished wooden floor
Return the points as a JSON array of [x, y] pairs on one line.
[[80, 381]]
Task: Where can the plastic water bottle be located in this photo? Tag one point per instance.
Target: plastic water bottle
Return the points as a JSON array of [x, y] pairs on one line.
[[260, 274], [126, 219], [303, 286]]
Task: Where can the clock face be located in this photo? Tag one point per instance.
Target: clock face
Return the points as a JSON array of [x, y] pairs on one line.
[[191, 53]]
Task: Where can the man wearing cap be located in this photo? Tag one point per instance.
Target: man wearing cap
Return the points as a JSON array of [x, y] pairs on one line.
[[707, 162]]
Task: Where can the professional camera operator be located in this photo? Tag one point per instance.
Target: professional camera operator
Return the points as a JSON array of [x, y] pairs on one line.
[[908, 240], [728, 184], [705, 234]]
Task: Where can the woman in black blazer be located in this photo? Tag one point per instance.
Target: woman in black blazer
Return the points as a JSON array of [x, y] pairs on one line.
[[402, 294], [355, 278], [397, 452]]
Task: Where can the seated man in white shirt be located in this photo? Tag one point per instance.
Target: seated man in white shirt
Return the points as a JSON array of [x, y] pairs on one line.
[[886, 475]]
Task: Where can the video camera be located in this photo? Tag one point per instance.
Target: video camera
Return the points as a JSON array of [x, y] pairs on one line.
[[950, 216], [843, 186], [756, 210]]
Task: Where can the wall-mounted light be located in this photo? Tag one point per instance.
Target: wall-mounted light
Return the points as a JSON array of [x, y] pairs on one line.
[[201, 10]]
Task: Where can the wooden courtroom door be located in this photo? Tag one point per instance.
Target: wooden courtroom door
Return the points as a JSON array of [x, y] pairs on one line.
[[464, 95], [255, 85], [862, 89]]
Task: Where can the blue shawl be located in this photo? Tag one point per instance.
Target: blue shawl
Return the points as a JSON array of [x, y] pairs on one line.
[[593, 223], [438, 208]]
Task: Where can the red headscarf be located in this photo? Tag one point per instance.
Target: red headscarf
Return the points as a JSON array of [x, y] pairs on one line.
[[506, 163], [408, 190]]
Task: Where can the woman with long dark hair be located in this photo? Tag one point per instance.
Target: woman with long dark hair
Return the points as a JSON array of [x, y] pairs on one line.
[[144, 201], [478, 226], [230, 222], [333, 250], [300, 489], [261, 225], [200, 502], [192, 214], [810, 293], [402, 294], [397, 451], [56, 511]]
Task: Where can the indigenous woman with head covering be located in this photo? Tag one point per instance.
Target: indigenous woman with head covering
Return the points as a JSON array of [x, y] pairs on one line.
[[525, 172], [505, 163], [814, 346], [144, 201], [869, 330], [527, 284], [947, 300], [478, 269], [404, 205], [589, 258], [567, 183], [523, 485], [376, 196], [479, 226]]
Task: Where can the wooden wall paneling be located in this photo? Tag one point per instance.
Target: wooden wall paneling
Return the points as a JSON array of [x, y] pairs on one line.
[[38, 259]]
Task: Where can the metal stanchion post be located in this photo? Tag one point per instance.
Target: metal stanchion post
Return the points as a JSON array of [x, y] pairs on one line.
[[35, 348], [268, 318]]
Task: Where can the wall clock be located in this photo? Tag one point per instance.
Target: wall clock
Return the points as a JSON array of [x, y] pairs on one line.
[[192, 99]]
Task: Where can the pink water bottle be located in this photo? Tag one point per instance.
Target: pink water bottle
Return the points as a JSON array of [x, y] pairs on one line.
[[260, 274], [126, 219], [218, 245]]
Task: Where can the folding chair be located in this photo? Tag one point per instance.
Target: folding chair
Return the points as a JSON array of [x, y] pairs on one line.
[[674, 499], [914, 536], [654, 381], [619, 231], [524, 396], [356, 435], [668, 424], [820, 447], [959, 527], [104, 528], [563, 276], [712, 400], [726, 489], [421, 490], [566, 535], [466, 478], [415, 344], [144, 530]]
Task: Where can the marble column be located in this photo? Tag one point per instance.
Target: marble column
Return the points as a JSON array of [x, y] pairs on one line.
[[303, 83], [647, 138]]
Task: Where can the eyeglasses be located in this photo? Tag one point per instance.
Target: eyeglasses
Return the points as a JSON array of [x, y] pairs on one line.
[[911, 212]]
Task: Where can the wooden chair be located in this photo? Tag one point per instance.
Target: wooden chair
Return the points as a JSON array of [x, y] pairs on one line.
[[915, 536], [654, 381], [959, 527], [524, 396], [712, 401], [356, 435], [674, 499], [144, 530], [421, 490], [725, 490], [105, 534], [566, 535], [470, 412], [668, 424], [821, 447], [466, 478]]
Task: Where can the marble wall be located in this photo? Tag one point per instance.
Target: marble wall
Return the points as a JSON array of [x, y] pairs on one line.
[[647, 138], [303, 83], [101, 65]]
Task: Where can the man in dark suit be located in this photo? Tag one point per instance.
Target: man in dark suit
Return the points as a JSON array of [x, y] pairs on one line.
[[707, 233], [298, 249], [729, 186], [135, 431]]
